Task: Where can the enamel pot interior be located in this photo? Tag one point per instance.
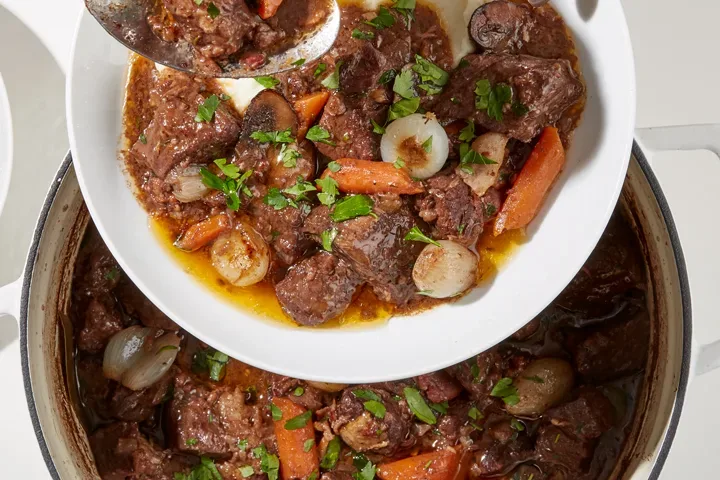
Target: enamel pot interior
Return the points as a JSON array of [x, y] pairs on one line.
[[46, 331]]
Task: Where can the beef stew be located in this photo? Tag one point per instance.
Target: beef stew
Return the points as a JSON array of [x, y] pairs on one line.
[[383, 167]]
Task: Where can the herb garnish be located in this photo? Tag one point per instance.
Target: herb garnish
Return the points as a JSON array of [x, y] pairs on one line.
[[206, 110], [517, 425], [269, 463], [309, 443], [274, 137], [191, 441], [403, 108], [418, 406], [404, 84], [334, 166], [231, 185], [331, 454], [377, 128], [375, 407], [329, 188], [320, 69], [366, 469], [332, 81], [415, 234], [407, 9], [505, 389], [352, 207], [384, 19], [276, 412], [433, 78], [360, 35], [267, 81], [427, 144], [213, 10], [299, 62], [387, 77], [289, 156], [469, 157], [205, 470], [441, 408], [319, 134], [211, 361], [246, 471], [143, 139], [468, 132], [492, 99], [328, 237], [299, 421]]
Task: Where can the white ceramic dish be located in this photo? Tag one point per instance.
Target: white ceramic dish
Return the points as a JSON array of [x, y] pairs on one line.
[[560, 239], [6, 144]]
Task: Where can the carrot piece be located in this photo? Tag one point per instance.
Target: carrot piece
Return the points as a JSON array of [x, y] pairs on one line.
[[295, 462], [463, 469], [533, 182], [439, 465], [367, 176], [268, 8], [202, 233], [308, 109]]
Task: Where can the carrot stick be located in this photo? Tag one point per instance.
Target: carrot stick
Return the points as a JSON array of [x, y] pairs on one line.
[[463, 469], [439, 465], [295, 461], [367, 176], [308, 109], [533, 182], [202, 233], [268, 8]]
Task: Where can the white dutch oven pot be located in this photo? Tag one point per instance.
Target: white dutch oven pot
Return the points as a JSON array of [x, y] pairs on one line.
[[39, 300]]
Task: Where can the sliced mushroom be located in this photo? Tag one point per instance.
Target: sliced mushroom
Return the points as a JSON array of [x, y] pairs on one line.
[[490, 145]]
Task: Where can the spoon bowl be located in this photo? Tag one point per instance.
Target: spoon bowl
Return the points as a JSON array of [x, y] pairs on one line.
[[126, 21]]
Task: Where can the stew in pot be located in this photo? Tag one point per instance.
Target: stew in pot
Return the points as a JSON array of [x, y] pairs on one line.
[[554, 401], [372, 172]]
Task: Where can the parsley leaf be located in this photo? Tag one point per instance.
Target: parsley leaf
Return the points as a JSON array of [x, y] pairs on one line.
[[519, 109], [505, 389], [406, 8], [332, 81], [433, 78], [276, 199], [328, 237], [366, 468], [415, 234], [320, 69], [228, 169], [308, 445], [299, 189], [468, 132], [399, 163], [492, 99], [384, 19], [205, 470], [143, 139], [352, 207], [418, 406], [441, 408], [275, 137], [299, 62], [211, 361], [269, 463], [276, 412], [230, 187], [334, 167], [469, 157], [517, 425], [329, 188], [475, 414], [298, 392], [242, 444], [403, 108], [213, 10], [206, 110], [377, 128], [427, 144], [289, 156], [404, 85], [319, 134], [375, 407], [299, 421], [360, 35], [247, 471], [331, 454], [387, 77], [267, 81], [363, 394]]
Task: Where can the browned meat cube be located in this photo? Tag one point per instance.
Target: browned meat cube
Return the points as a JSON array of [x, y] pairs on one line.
[[546, 87], [588, 416], [554, 446], [439, 386], [102, 321]]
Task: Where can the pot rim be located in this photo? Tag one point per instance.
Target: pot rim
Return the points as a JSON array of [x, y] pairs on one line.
[[637, 152]]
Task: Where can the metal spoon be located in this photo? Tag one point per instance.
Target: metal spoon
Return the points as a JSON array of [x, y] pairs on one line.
[[126, 21]]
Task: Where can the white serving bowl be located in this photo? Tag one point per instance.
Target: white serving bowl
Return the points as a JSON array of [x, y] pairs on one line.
[[559, 240], [6, 144]]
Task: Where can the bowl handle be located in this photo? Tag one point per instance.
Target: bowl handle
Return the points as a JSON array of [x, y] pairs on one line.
[[10, 299], [688, 137]]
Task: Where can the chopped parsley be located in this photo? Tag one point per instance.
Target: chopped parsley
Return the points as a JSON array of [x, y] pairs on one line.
[[299, 62], [505, 390], [352, 207], [299, 421], [492, 99], [490, 209], [231, 185], [384, 19], [474, 413], [242, 444], [299, 189], [375, 407], [213, 10], [191, 441], [320, 69], [468, 132], [332, 81], [519, 109], [308, 445], [246, 471], [360, 35], [319, 134], [225, 97], [377, 128], [366, 469], [327, 238], [399, 163], [269, 463], [274, 137], [267, 81], [404, 84], [418, 406], [363, 394], [463, 63], [469, 157], [441, 408], [289, 156], [211, 361], [403, 108], [112, 274], [275, 412], [329, 188], [432, 77], [143, 139], [206, 110], [415, 234], [517, 425], [387, 77], [331, 454], [298, 392], [427, 144], [334, 166], [406, 8], [205, 470]]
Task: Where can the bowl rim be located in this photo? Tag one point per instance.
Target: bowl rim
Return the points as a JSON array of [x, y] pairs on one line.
[[6, 143]]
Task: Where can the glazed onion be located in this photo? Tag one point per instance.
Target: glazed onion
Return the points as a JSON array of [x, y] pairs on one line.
[[241, 255], [136, 359], [490, 145], [188, 185], [544, 383], [419, 141], [445, 271]]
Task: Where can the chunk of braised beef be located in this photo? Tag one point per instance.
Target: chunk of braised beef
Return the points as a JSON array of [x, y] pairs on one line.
[[113, 448], [139, 307], [479, 374], [546, 87], [136, 406], [528, 330], [500, 448], [94, 388], [555, 447], [298, 391], [376, 250], [317, 289], [208, 420], [439, 386], [363, 431], [614, 349], [503, 26], [453, 209], [152, 462], [588, 416], [281, 229], [102, 320], [174, 137], [348, 120]]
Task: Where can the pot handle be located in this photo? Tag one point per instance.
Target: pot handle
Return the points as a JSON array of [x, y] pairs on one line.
[[688, 137], [10, 299]]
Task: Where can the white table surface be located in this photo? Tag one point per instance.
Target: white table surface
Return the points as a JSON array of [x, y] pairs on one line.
[[678, 72]]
